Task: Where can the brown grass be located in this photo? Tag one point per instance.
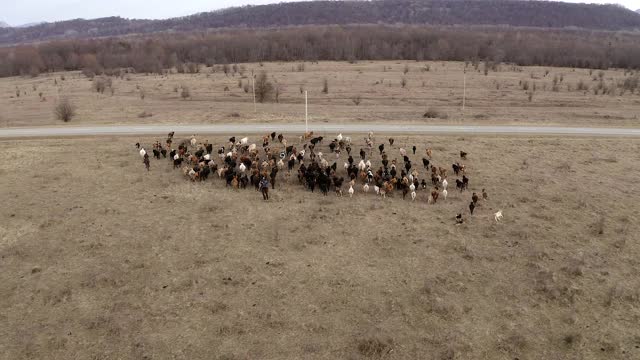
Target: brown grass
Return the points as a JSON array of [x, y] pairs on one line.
[[101, 259], [378, 83]]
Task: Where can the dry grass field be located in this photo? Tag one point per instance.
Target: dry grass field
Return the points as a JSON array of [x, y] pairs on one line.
[[101, 260], [500, 97]]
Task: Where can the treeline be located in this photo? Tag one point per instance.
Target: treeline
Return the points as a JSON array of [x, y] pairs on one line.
[[546, 14], [154, 54]]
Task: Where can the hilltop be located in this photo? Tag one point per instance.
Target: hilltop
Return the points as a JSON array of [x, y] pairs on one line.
[[414, 12]]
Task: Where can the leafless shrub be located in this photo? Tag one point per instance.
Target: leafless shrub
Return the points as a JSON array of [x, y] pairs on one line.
[[403, 82], [356, 100], [631, 83], [263, 87], [145, 114], [433, 113], [571, 339], [234, 115], [102, 83], [325, 86], [186, 93], [88, 73], [246, 88], [142, 94], [582, 86], [65, 110], [374, 347], [278, 90], [525, 85], [240, 83], [598, 227], [301, 67], [406, 69]]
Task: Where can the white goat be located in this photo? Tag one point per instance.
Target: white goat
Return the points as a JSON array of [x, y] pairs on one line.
[[365, 188], [351, 191], [445, 193], [242, 168], [444, 185], [339, 137], [413, 196], [498, 216], [142, 152], [244, 141], [362, 166]]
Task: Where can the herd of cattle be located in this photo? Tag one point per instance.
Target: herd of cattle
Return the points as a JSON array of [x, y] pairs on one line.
[[242, 164]]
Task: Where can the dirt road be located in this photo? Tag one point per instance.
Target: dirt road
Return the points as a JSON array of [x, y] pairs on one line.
[[322, 128]]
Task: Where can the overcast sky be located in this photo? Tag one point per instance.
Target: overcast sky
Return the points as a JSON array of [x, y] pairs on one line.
[[18, 12]]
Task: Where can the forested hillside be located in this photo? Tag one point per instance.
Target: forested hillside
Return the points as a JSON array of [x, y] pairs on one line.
[[417, 12]]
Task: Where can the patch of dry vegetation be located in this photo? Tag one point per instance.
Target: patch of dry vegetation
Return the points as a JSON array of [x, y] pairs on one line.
[[244, 278], [508, 94]]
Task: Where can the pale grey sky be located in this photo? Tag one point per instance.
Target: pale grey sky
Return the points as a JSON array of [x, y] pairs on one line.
[[18, 12]]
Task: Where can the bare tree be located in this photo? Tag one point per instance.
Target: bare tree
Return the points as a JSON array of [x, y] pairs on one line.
[[325, 86], [64, 110], [264, 88]]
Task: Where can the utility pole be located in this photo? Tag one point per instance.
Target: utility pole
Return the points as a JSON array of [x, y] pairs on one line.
[[306, 112], [464, 90], [253, 81]]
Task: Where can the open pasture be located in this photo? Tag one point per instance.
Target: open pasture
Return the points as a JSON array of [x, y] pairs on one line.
[[367, 91], [101, 259]]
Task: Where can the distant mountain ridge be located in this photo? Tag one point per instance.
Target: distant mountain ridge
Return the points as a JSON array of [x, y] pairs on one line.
[[4, 25], [541, 14]]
